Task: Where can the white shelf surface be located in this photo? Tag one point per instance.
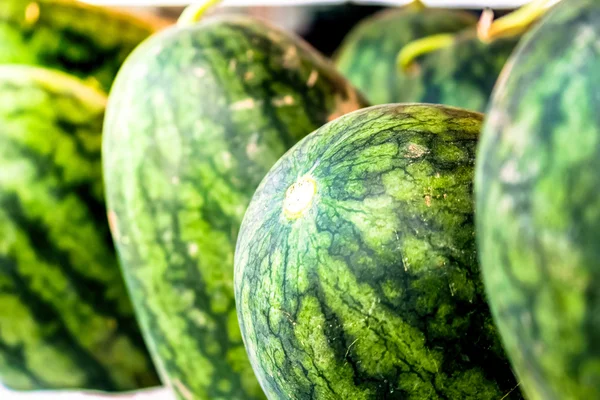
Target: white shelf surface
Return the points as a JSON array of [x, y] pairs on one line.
[[150, 394]]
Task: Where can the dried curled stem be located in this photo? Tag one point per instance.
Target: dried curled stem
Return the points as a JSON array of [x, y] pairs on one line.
[[194, 12], [513, 24]]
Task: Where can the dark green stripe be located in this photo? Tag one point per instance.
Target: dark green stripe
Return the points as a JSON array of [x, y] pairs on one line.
[[101, 346], [85, 191], [59, 336], [88, 289], [15, 357], [52, 42], [201, 299]]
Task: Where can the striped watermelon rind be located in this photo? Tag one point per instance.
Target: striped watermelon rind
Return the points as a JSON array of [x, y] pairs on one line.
[[87, 41], [65, 317], [356, 272], [538, 205], [367, 57], [462, 74], [196, 118]]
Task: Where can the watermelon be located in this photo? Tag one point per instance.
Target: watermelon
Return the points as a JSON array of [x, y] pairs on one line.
[[462, 74], [538, 202], [355, 270], [196, 118], [367, 56], [87, 41], [65, 317]]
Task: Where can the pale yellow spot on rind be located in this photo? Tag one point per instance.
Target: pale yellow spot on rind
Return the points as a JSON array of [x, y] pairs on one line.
[[32, 13], [113, 225], [290, 58], [193, 249], [283, 101], [252, 147], [246, 104], [199, 72], [416, 151], [232, 65], [312, 78], [299, 197]]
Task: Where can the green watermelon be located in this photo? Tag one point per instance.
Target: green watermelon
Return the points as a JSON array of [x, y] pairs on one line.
[[538, 202], [65, 317], [355, 270], [87, 41], [196, 118], [367, 56], [461, 75]]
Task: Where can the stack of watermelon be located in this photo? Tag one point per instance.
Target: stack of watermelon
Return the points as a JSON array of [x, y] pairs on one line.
[[66, 320], [292, 227]]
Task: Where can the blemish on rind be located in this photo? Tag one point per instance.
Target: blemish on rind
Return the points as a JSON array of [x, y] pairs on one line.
[[416, 151], [290, 58], [283, 101], [232, 65], [312, 78], [113, 225], [349, 347], [509, 172], [246, 104], [227, 159], [193, 249], [299, 197], [252, 146], [32, 13], [199, 72]]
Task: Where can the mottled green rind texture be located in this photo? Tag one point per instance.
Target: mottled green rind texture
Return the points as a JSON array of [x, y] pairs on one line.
[[86, 41], [65, 317], [374, 291], [196, 119], [367, 56], [461, 75], [538, 205]]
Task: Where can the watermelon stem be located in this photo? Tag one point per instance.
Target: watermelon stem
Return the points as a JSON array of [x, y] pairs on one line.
[[513, 24], [418, 5], [194, 12], [409, 53]]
